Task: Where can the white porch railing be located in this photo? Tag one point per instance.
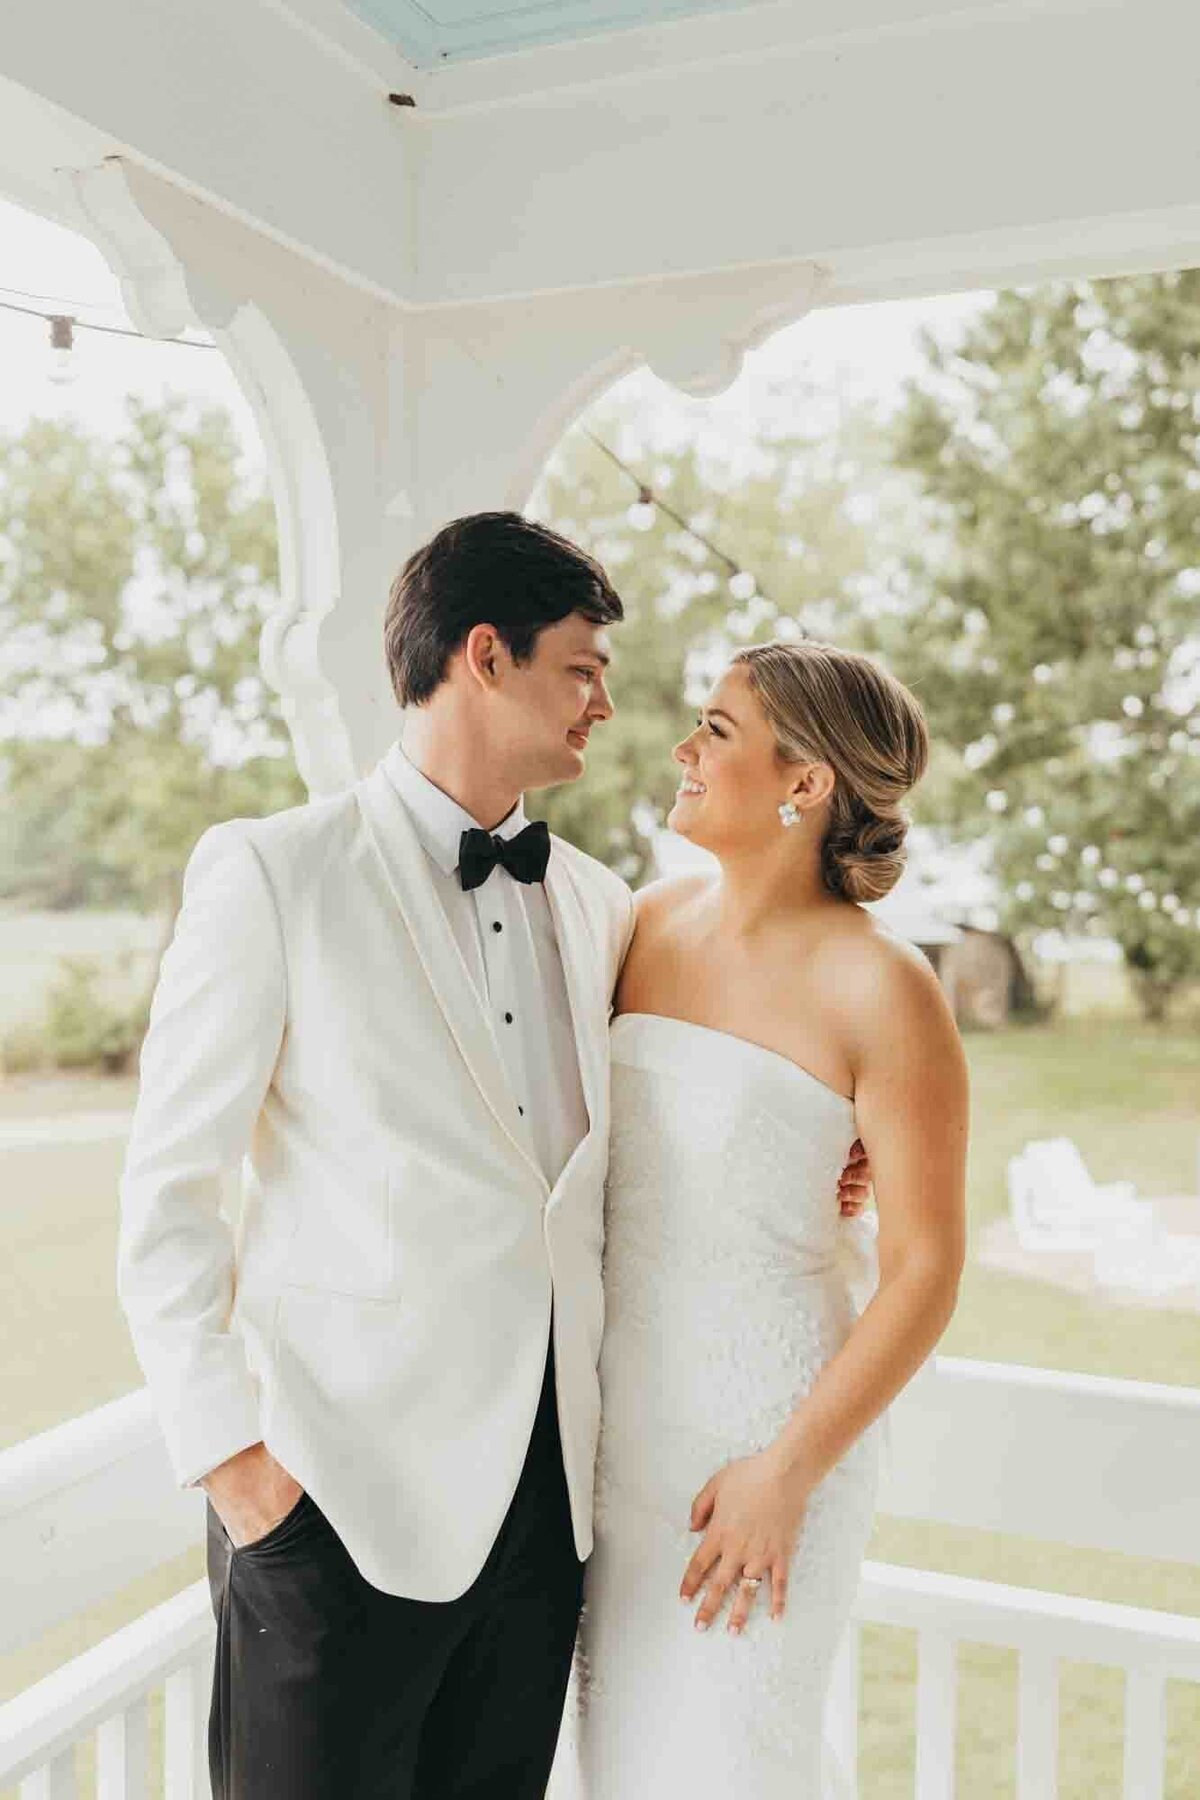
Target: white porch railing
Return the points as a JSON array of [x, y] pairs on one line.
[[104, 1695], [90, 1506], [1045, 1630]]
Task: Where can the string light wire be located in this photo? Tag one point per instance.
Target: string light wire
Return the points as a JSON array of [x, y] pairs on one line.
[[647, 496], [64, 324], [52, 318]]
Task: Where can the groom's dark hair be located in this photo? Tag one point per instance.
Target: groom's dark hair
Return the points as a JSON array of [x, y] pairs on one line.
[[492, 568]]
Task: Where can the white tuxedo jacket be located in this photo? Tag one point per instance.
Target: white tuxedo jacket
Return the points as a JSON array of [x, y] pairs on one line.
[[381, 1320]]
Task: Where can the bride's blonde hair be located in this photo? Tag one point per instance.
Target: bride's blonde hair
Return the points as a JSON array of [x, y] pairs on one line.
[[838, 707]]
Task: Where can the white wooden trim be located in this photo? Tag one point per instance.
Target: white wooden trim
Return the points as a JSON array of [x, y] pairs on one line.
[[185, 1749], [842, 1706], [1037, 1727], [1070, 1459], [1065, 1458], [1145, 1734], [1030, 1620], [937, 1712], [173, 1644], [54, 1782], [86, 1508], [123, 1753], [40, 1726]]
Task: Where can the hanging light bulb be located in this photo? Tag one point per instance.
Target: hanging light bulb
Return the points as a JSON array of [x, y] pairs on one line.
[[641, 513], [62, 340]]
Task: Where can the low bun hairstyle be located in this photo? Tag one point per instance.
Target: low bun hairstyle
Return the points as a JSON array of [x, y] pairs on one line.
[[837, 707]]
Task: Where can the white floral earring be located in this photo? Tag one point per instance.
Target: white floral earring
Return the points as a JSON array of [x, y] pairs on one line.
[[791, 815]]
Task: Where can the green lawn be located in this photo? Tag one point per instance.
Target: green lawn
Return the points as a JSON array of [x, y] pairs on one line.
[[1129, 1096]]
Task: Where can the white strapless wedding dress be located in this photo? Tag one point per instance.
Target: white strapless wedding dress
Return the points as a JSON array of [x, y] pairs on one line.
[[730, 1279]]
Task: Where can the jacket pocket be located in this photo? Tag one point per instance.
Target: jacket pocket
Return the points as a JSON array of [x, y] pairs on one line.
[[344, 1242]]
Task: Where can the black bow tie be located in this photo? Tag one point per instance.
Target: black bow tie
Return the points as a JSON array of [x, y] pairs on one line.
[[524, 856]]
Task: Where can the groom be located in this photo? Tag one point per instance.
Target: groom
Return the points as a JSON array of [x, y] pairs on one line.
[[393, 1004]]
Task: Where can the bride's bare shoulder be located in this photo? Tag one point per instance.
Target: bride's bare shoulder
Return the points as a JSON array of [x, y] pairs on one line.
[[660, 901], [868, 970], [857, 939]]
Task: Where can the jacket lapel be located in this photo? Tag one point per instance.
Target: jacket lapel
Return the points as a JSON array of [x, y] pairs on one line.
[[406, 866]]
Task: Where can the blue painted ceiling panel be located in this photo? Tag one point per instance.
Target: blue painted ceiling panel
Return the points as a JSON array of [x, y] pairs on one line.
[[439, 31]]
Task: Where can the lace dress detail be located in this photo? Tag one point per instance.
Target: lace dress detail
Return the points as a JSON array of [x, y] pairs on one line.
[[730, 1280]]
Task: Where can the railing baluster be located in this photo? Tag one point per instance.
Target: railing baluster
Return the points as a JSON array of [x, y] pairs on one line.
[[937, 1701], [1145, 1734], [1037, 1727], [55, 1780], [842, 1706], [123, 1753], [185, 1759]]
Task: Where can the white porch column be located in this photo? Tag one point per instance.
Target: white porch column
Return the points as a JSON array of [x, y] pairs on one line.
[[384, 421]]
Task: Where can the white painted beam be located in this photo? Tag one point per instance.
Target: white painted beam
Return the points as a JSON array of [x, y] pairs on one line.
[[979, 147], [244, 103], [678, 44]]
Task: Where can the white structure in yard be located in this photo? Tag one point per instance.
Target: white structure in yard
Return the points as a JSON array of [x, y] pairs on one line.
[[425, 237]]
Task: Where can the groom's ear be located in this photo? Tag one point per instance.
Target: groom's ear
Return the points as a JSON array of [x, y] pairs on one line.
[[481, 651]]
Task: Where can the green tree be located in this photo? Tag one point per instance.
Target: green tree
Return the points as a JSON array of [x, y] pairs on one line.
[[788, 522], [134, 580], [1050, 619]]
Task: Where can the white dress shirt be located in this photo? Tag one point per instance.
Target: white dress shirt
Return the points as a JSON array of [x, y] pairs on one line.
[[505, 931]]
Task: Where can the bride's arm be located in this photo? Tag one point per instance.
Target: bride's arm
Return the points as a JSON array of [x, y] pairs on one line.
[[910, 1102]]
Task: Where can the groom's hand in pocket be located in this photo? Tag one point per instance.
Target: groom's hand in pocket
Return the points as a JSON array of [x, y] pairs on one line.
[[251, 1493]]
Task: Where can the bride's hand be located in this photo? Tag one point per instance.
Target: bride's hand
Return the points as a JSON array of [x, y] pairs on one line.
[[750, 1513]]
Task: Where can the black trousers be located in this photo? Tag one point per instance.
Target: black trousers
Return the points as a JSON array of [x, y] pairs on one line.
[[326, 1688]]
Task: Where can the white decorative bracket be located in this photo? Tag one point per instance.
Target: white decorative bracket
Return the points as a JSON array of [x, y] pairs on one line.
[[382, 422]]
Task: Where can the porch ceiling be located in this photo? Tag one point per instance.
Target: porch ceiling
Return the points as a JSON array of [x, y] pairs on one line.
[[906, 146]]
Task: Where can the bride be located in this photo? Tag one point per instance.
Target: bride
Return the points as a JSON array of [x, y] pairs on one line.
[[763, 1021]]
